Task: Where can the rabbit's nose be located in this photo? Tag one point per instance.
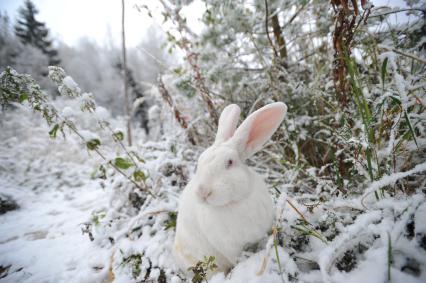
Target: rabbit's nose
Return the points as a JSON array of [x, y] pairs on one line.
[[204, 192]]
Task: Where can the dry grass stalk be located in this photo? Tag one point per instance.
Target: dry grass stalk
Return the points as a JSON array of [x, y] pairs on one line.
[[346, 15], [176, 112]]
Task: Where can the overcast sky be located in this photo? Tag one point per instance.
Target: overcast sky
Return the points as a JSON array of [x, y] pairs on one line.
[[70, 20]]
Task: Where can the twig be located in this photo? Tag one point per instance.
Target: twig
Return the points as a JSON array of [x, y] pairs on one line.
[[399, 11], [267, 29], [404, 54], [296, 14], [155, 212], [298, 212]]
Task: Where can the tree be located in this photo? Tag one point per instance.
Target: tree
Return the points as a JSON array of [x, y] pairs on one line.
[[8, 43], [32, 32]]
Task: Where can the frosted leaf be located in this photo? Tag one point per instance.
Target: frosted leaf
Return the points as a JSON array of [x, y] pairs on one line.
[[87, 102]]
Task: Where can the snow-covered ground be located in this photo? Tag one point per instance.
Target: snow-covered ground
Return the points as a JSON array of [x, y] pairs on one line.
[[42, 241]]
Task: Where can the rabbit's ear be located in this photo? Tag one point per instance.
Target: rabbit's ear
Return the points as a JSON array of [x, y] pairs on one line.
[[227, 123], [258, 127]]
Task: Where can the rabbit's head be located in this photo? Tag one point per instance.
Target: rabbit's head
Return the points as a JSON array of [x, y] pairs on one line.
[[222, 177]]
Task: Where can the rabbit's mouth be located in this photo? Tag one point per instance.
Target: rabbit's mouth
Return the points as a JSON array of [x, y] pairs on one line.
[[204, 196], [203, 193]]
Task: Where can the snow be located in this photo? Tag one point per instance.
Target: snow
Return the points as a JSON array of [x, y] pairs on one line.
[[50, 179], [420, 219], [42, 240], [72, 227], [391, 179], [46, 231], [70, 83], [68, 112], [88, 135], [79, 220], [102, 114]]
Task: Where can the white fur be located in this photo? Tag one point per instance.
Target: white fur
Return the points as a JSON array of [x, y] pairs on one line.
[[225, 207]]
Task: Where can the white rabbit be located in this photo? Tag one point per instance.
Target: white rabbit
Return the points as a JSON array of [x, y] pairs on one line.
[[227, 205]]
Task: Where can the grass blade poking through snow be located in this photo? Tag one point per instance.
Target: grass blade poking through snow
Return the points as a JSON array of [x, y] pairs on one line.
[[275, 234], [383, 73]]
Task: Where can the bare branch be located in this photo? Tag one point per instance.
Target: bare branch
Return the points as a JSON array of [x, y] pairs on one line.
[[126, 95]]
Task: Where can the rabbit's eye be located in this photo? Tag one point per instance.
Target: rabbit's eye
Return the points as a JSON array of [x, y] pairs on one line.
[[229, 163]]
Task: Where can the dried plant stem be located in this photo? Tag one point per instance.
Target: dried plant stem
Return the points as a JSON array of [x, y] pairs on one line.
[[192, 58], [298, 212], [178, 115]]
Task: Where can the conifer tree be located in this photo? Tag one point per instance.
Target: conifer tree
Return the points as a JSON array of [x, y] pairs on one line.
[[30, 31]]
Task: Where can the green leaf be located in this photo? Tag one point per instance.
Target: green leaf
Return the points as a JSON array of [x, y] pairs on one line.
[[123, 163], [119, 135], [53, 131], [171, 222], [173, 148], [413, 134], [178, 71], [139, 176], [385, 63], [395, 100], [277, 255], [23, 97], [93, 144]]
